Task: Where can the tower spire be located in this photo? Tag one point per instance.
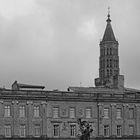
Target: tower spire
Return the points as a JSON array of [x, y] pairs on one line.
[[108, 34], [109, 71]]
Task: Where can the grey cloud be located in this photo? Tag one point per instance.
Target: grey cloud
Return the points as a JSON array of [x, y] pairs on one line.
[[46, 47]]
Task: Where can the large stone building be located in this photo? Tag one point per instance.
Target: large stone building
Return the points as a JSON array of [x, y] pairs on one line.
[[113, 111]]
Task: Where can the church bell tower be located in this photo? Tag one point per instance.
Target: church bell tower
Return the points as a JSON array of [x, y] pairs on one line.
[[109, 71]]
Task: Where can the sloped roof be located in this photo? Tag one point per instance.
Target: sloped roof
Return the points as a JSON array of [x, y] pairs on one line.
[[108, 34], [18, 86], [94, 90], [102, 90]]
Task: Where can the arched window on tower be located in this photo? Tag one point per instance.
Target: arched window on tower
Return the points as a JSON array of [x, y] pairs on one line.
[[107, 73], [110, 63], [111, 72], [107, 51], [110, 51], [107, 63]]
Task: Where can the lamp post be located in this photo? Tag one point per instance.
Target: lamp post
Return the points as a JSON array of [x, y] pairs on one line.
[[85, 130]]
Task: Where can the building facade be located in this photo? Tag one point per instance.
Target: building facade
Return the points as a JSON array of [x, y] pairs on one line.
[[113, 111]]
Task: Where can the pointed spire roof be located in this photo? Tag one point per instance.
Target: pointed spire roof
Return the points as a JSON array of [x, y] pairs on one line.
[[108, 34]]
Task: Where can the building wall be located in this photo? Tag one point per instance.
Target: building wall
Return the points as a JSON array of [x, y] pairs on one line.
[[29, 120], [46, 121], [64, 120], [125, 121]]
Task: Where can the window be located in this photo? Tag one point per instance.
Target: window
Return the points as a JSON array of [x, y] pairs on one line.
[[37, 130], [7, 130], [56, 130], [72, 112], [22, 130], [7, 111], [107, 51], [106, 130], [111, 72], [131, 113], [119, 113], [131, 130], [110, 63], [88, 112], [107, 63], [72, 130], [119, 130], [22, 111], [110, 51], [107, 73], [55, 112], [36, 111], [106, 112]]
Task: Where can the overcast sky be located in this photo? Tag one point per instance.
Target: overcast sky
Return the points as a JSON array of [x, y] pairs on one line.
[[55, 43]]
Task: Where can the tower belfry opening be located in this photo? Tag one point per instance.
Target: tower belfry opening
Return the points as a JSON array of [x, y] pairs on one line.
[[109, 71]]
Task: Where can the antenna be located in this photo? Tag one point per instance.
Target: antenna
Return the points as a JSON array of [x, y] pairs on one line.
[[80, 84], [108, 10]]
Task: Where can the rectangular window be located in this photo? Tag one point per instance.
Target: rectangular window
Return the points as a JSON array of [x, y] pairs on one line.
[[22, 131], [119, 113], [22, 111], [131, 113], [131, 130], [36, 111], [72, 112], [106, 112], [7, 130], [7, 111], [55, 112], [56, 130], [72, 130], [37, 130], [119, 130], [88, 112], [106, 130]]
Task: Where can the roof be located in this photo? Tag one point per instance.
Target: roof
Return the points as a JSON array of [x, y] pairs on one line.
[[102, 90], [108, 34], [17, 86], [95, 90]]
